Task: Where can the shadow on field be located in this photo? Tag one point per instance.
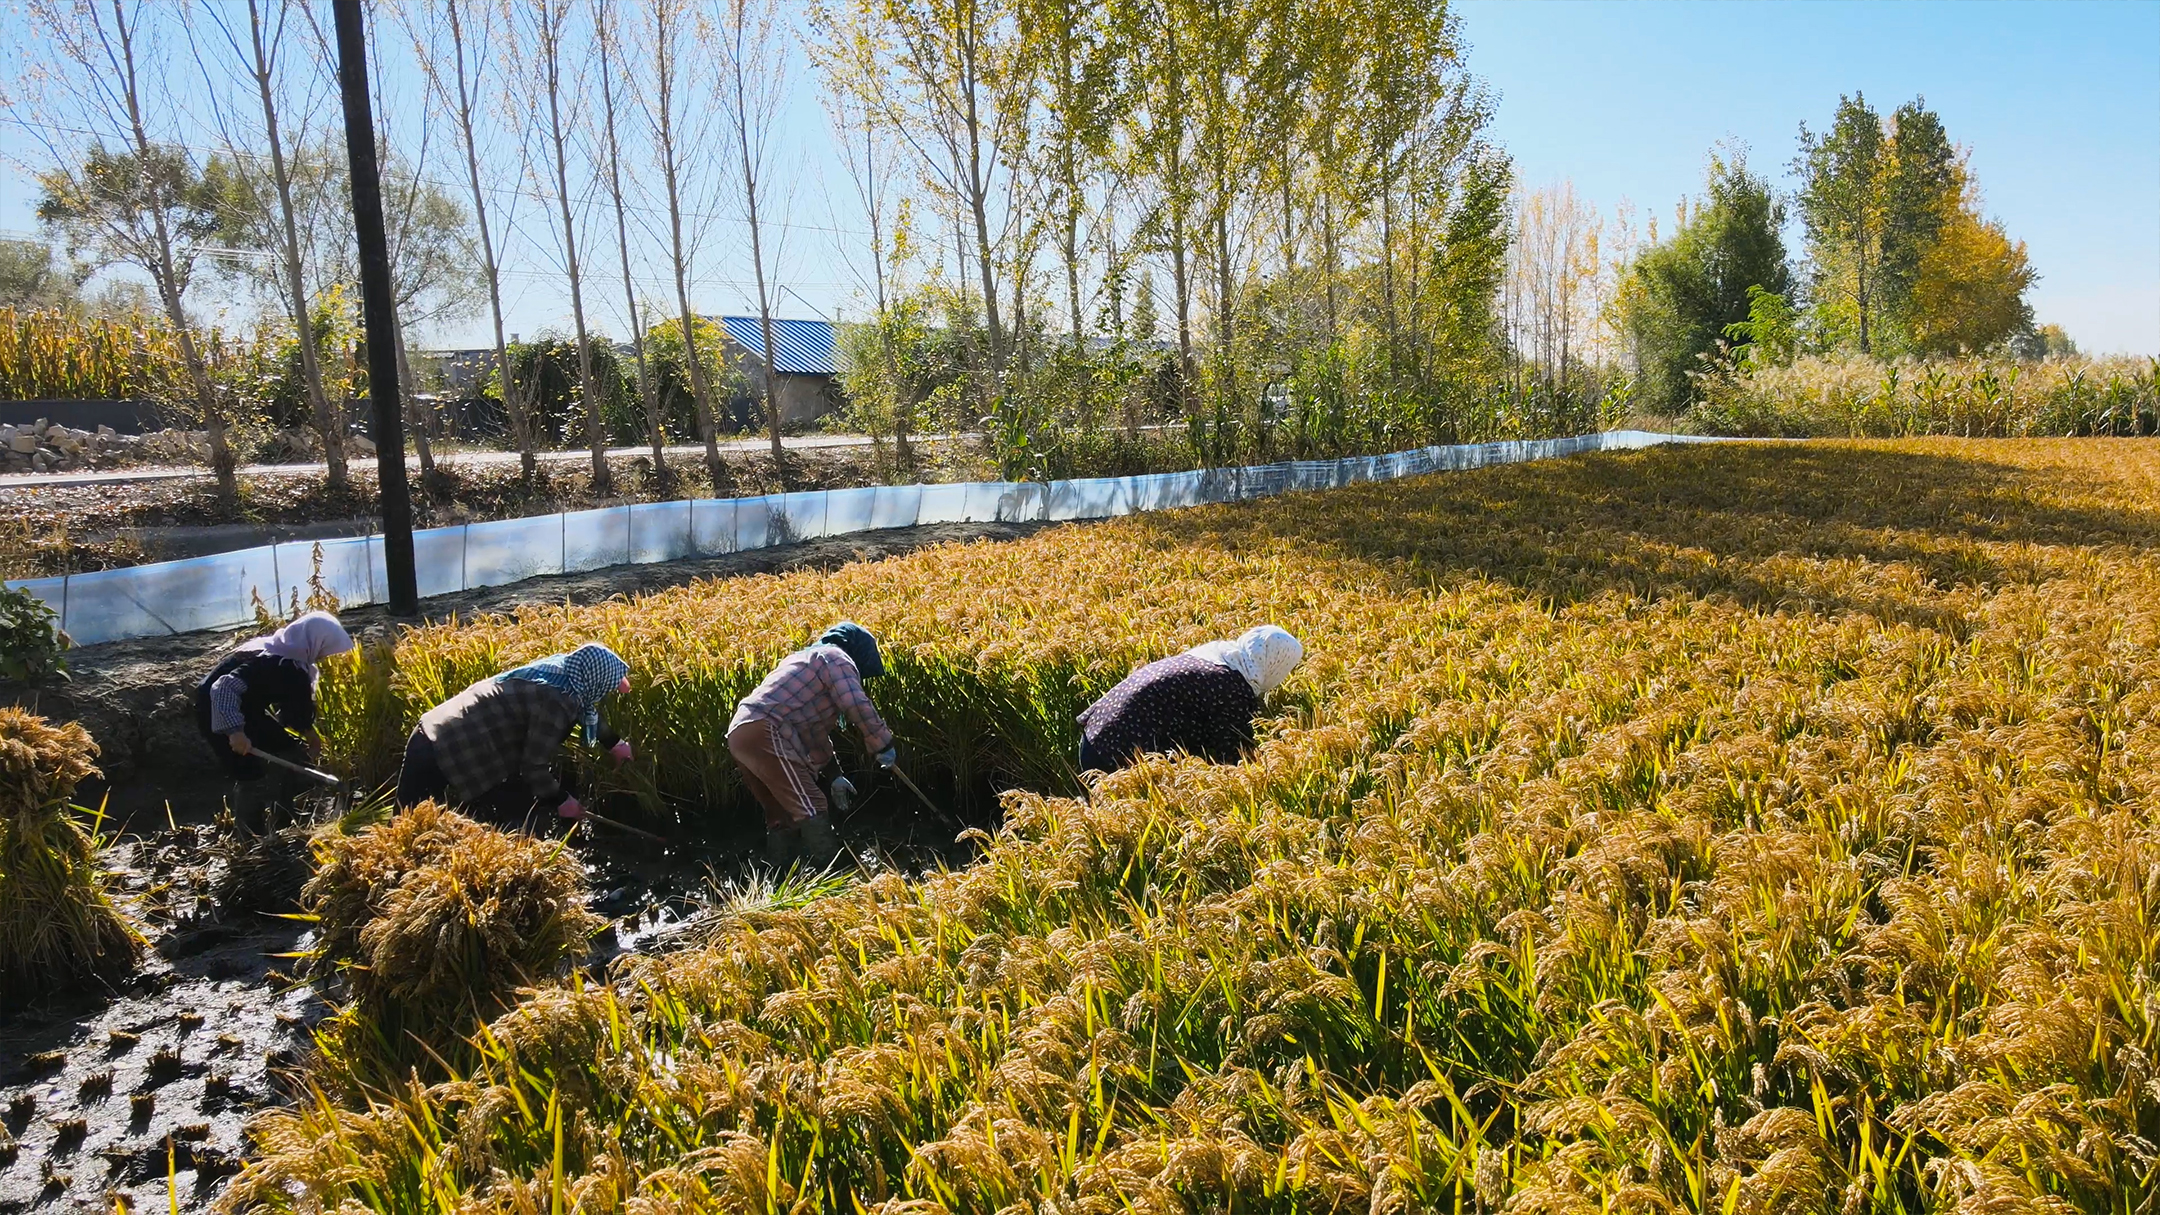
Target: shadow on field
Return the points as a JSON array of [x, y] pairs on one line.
[[1756, 523]]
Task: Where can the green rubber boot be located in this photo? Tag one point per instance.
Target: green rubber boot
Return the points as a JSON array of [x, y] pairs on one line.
[[783, 847], [819, 844]]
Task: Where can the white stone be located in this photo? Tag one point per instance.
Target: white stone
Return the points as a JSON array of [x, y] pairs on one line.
[[23, 443]]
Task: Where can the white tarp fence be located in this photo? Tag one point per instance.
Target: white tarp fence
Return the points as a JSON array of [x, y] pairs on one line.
[[219, 591]]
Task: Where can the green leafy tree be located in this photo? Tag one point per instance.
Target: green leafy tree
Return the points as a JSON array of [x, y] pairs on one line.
[[1842, 200], [1968, 293], [675, 383], [150, 208], [1902, 260], [552, 370], [30, 277], [1682, 294], [1921, 184]]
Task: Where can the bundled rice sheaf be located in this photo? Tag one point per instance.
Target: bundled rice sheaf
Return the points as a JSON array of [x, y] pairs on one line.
[[265, 874], [433, 922], [58, 922], [1749, 829]]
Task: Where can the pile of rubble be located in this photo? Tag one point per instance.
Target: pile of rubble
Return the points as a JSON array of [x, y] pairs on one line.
[[300, 445], [47, 446]]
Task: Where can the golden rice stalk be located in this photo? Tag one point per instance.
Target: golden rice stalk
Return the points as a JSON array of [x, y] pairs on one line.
[[434, 922], [58, 922], [1749, 828]]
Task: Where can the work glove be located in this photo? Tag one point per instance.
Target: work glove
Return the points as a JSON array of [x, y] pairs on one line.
[[843, 794], [621, 751], [570, 808], [888, 757], [238, 741]]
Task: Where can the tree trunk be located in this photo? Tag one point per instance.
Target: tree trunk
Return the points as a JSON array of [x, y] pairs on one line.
[[551, 52], [978, 189], [757, 262], [648, 397], [328, 420], [166, 274], [423, 444], [513, 403], [664, 80], [699, 389], [1225, 329]]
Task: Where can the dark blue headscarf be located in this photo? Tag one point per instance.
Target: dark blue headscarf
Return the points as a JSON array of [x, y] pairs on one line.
[[858, 644], [585, 675]]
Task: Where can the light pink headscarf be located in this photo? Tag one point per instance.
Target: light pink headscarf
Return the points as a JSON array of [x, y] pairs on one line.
[[309, 640]]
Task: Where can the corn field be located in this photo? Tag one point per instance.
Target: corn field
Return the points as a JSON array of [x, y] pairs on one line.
[[1972, 398], [60, 355], [63, 355], [1737, 829]]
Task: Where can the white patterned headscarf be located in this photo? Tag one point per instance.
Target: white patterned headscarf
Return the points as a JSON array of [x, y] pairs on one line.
[[1265, 656], [308, 640]]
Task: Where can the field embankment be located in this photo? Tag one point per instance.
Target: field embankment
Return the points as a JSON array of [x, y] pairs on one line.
[[1754, 828]]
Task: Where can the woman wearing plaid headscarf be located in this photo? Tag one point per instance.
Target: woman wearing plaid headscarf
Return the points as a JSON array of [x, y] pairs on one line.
[[491, 748]]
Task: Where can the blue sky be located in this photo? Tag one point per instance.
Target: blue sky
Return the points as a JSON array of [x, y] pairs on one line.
[[2059, 103]]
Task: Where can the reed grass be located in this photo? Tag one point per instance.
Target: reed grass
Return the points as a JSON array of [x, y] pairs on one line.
[[58, 921], [1755, 828], [1976, 397]]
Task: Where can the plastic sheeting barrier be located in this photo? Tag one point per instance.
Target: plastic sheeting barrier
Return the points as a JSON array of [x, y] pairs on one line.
[[220, 591]]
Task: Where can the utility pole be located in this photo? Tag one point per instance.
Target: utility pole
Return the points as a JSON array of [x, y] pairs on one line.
[[378, 311]]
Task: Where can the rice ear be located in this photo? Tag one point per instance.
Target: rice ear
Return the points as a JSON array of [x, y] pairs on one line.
[[59, 923]]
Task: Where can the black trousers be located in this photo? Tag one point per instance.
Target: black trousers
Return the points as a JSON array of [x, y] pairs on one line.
[[259, 792], [421, 779], [1094, 759]]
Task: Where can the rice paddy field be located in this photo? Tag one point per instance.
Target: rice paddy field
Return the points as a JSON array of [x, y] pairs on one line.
[[1735, 828]]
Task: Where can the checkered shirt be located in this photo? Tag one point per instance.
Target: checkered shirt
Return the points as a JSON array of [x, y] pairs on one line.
[[806, 694], [499, 728]]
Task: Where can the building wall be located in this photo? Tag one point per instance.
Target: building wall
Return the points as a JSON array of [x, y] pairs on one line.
[[803, 398]]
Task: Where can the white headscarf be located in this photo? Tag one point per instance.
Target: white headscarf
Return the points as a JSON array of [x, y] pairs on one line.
[[1265, 656], [309, 640]]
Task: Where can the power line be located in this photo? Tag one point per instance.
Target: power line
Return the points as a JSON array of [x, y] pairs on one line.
[[585, 200]]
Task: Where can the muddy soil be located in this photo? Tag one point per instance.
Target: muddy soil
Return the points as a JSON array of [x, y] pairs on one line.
[[138, 1095], [136, 697]]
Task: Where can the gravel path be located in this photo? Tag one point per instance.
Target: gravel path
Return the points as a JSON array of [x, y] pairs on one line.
[[124, 476]]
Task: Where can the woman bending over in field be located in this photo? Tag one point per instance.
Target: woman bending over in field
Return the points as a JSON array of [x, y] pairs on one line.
[[1202, 701], [261, 701], [781, 738], [490, 749]]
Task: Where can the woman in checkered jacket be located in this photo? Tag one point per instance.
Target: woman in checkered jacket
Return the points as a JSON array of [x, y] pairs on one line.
[[781, 738], [490, 750]]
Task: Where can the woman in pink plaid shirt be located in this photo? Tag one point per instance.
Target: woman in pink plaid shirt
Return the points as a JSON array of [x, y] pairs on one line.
[[781, 738]]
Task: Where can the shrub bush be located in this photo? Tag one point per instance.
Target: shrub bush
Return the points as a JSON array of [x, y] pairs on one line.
[[32, 647], [58, 922]]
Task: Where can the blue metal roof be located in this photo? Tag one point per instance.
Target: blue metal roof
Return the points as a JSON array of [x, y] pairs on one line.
[[805, 347]]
